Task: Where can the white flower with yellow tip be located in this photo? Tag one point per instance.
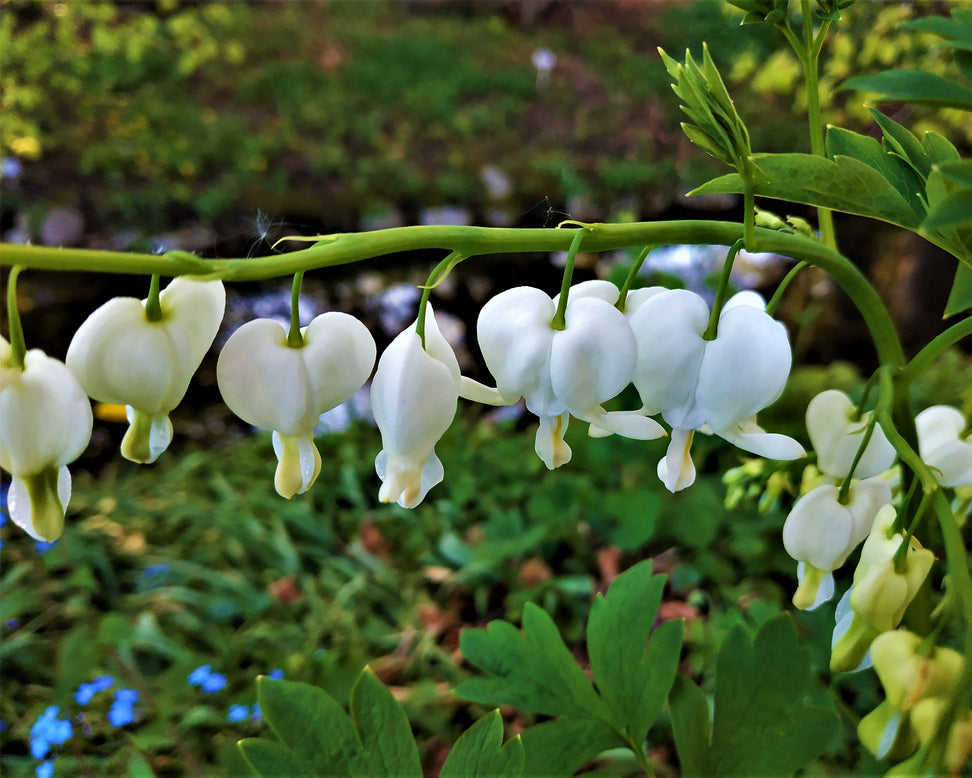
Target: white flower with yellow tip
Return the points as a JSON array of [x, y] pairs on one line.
[[714, 385], [560, 373], [45, 423], [837, 435], [414, 396], [274, 386], [122, 357]]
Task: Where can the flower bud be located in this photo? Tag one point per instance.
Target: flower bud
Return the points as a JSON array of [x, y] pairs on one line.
[[908, 676], [271, 385], [414, 396], [836, 437], [45, 423], [122, 357]]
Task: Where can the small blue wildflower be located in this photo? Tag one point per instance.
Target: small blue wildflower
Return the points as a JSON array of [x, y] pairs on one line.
[[126, 697], [45, 769], [257, 714], [200, 674], [84, 694], [43, 546], [4, 726], [276, 674], [153, 570], [121, 714], [238, 713], [103, 682], [213, 683], [48, 730], [13, 623]]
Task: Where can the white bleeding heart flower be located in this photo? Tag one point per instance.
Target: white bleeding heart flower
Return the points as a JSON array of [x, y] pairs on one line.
[[560, 373], [120, 356], [45, 423], [942, 445], [714, 385], [836, 437], [820, 533], [274, 386], [414, 396]]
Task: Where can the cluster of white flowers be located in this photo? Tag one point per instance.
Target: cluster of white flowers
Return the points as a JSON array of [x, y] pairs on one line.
[[848, 499], [696, 381]]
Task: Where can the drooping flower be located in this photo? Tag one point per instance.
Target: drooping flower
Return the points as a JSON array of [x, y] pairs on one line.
[[45, 423], [414, 396], [881, 591], [836, 437], [560, 373], [820, 533], [942, 445], [714, 385], [271, 385], [122, 357]]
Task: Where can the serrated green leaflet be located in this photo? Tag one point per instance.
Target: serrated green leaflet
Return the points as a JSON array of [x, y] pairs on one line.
[[633, 680], [321, 739], [387, 744], [531, 670], [479, 751], [762, 722], [914, 86], [844, 184], [269, 758], [560, 747], [960, 298]]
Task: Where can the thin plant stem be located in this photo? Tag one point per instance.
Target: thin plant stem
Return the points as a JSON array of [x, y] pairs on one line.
[[933, 349], [722, 292], [774, 302], [153, 306], [632, 274], [559, 321], [294, 337], [436, 277], [18, 347], [844, 493]]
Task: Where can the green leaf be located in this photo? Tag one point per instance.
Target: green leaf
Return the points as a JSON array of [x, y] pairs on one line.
[[271, 759], [957, 172], [311, 723], [904, 143], [560, 747], [531, 670], [844, 143], [762, 724], [479, 751], [914, 86], [691, 727], [633, 680], [388, 746], [953, 210], [843, 184], [959, 26], [960, 298]]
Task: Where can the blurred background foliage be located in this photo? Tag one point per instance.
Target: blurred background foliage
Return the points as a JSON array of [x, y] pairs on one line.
[[150, 114]]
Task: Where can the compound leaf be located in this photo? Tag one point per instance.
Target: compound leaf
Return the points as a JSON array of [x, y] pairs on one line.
[[387, 744], [479, 751], [561, 746]]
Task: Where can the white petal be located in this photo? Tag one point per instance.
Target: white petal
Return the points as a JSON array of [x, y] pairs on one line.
[[939, 428], [818, 529], [628, 424], [668, 328], [549, 443], [750, 437], [677, 470], [836, 438], [744, 369]]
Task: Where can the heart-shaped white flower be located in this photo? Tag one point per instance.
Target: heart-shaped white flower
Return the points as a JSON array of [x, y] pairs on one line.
[[836, 437]]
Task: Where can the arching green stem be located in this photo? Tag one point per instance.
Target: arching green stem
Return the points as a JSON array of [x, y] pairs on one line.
[[294, 338], [18, 348], [632, 275], [722, 292], [774, 302], [346, 248], [436, 277], [153, 307], [934, 348], [559, 321]]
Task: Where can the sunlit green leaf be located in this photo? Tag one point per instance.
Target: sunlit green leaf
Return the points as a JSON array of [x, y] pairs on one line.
[[914, 86], [632, 674], [960, 298], [480, 751]]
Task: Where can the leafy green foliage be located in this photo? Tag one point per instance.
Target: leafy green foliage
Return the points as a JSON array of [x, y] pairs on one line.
[[479, 751], [534, 671], [764, 721], [319, 738]]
